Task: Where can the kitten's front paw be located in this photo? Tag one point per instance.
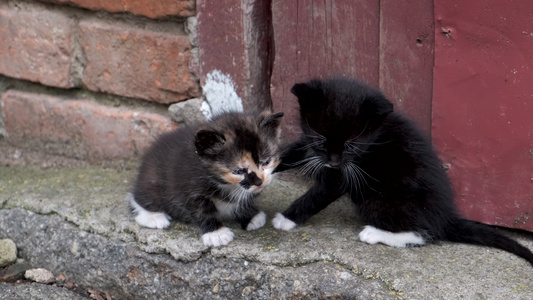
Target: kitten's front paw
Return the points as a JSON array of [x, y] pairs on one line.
[[370, 235], [257, 221], [282, 223], [218, 237]]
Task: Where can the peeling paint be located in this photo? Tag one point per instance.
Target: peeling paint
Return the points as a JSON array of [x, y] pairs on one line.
[[220, 94], [206, 110]]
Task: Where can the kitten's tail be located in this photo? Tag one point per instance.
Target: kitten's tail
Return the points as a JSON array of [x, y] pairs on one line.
[[471, 232]]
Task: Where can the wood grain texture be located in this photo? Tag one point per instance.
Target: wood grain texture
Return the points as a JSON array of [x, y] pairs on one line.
[[406, 57], [482, 107], [320, 38]]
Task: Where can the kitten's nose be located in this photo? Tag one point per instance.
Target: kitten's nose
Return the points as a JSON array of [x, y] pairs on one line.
[[254, 180], [334, 160]]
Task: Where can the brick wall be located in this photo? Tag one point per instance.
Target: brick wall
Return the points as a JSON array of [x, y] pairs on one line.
[[92, 79]]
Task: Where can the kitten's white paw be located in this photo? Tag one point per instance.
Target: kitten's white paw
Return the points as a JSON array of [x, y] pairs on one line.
[[147, 218], [153, 219], [373, 235], [282, 223], [370, 235], [257, 221], [218, 237]]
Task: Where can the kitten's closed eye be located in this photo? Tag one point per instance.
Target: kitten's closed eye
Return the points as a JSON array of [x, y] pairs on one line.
[[268, 163], [240, 171]]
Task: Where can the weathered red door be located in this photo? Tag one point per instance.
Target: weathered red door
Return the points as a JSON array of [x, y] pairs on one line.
[[462, 69], [385, 44], [483, 107]]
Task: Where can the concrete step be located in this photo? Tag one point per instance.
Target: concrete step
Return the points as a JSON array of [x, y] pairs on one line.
[[75, 222]]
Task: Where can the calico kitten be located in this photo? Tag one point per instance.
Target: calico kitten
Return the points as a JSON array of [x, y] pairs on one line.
[[201, 174], [353, 143]]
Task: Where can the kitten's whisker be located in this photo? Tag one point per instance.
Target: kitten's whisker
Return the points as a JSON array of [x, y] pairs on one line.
[[301, 161], [346, 179], [239, 196], [318, 166], [356, 178], [362, 131], [363, 171], [352, 141], [318, 134], [305, 169], [311, 166], [310, 145], [362, 174]]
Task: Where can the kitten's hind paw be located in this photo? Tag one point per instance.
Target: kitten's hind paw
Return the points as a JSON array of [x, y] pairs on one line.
[[218, 237], [153, 219], [282, 223], [373, 235], [257, 221], [146, 218], [370, 235]]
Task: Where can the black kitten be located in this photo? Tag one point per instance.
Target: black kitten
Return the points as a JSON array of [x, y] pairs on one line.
[[203, 173], [353, 143]]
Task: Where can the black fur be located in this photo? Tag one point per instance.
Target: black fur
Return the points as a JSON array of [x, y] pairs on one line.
[[353, 143]]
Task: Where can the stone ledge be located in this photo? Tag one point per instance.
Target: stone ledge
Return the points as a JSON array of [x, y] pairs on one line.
[[75, 222]]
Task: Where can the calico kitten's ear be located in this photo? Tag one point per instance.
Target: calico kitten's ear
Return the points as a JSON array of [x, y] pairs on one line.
[[271, 124], [208, 142]]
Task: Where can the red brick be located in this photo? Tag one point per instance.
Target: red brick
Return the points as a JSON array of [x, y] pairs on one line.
[[133, 62], [36, 45], [151, 9], [78, 128]]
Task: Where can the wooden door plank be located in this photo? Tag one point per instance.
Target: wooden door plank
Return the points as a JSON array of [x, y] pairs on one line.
[[320, 38], [406, 57], [483, 108]]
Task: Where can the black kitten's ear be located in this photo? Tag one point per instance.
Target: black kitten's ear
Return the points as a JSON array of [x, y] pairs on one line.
[[208, 141], [376, 105], [376, 108], [272, 124], [301, 90], [309, 94]]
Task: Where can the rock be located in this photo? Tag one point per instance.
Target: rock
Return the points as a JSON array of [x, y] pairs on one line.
[[40, 275], [14, 272], [126, 272], [8, 252], [36, 291], [188, 112]]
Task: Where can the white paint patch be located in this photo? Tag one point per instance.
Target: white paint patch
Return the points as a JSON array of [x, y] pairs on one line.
[[220, 93], [218, 237], [257, 221], [282, 223], [373, 235], [206, 110], [147, 218]]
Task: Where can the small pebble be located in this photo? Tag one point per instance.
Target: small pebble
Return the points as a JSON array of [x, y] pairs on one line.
[[8, 252], [40, 275]]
